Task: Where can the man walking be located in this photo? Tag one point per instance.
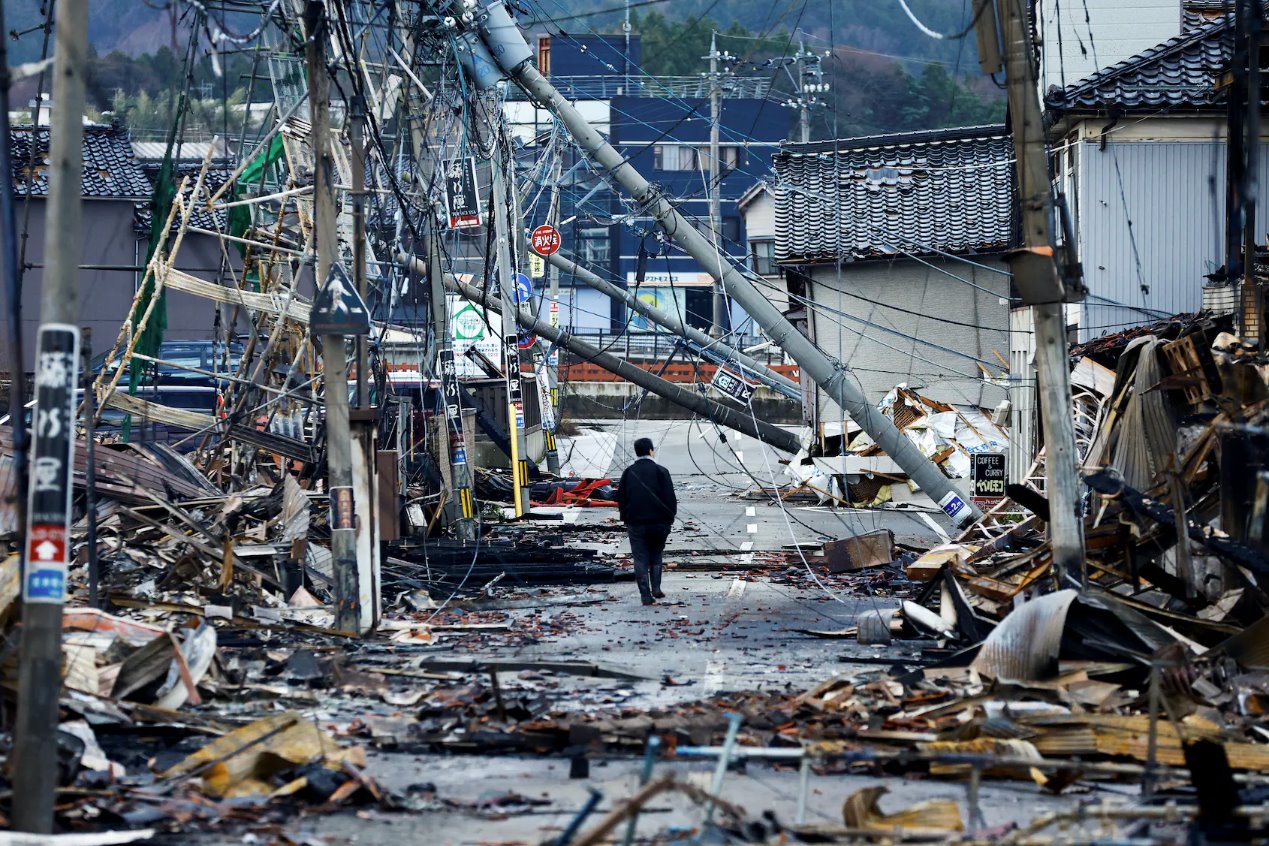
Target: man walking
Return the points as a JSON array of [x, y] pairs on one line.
[[645, 498]]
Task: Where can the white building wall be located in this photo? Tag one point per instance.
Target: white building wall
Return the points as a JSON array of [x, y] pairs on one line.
[[906, 322]]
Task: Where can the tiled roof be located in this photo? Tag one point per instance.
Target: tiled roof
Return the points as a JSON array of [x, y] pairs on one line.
[[110, 171], [203, 218], [943, 190], [1181, 73]]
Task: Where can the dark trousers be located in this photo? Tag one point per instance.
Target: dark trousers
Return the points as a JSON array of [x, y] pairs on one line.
[[647, 542]]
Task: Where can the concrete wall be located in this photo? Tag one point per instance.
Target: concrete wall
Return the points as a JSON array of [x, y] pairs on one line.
[[1116, 30], [1172, 190], [105, 296], [907, 304]]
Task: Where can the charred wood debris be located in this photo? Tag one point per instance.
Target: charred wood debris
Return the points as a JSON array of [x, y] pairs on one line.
[[208, 687]]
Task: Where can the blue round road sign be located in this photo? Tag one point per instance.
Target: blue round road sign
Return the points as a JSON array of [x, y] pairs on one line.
[[524, 289]]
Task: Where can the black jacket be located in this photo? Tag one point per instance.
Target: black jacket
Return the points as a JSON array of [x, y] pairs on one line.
[[645, 495]]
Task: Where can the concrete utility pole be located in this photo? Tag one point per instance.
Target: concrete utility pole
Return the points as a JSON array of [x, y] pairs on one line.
[[363, 421], [553, 283], [1035, 272], [339, 476], [46, 545], [460, 508], [719, 322], [507, 285], [674, 324], [1243, 125], [831, 375], [810, 84], [740, 420]]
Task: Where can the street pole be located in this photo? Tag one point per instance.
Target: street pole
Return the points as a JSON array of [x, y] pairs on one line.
[[675, 324], [833, 377], [459, 507], [507, 285], [47, 540], [339, 480], [363, 421], [739, 419], [718, 326], [1035, 272]]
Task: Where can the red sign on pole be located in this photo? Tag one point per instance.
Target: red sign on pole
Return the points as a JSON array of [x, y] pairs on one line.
[[545, 240]]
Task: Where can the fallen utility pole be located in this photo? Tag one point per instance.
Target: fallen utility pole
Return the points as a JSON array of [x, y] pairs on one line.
[[741, 421], [1035, 272], [46, 542], [831, 375], [675, 324], [339, 476]]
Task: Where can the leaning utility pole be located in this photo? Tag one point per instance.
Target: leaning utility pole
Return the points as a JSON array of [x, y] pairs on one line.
[[46, 545], [514, 58], [339, 476], [1035, 272], [718, 323]]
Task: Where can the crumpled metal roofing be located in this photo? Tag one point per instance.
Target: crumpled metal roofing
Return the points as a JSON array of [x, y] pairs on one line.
[[883, 196], [110, 170], [1182, 72]]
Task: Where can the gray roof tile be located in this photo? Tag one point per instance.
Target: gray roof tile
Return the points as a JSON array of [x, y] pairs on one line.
[[860, 198], [110, 171], [1181, 73]]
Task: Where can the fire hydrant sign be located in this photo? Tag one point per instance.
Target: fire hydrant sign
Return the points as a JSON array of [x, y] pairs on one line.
[[52, 454], [545, 240]]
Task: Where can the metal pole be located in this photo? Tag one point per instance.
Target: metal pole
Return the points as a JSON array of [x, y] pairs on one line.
[[46, 542], [645, 775], [676, 325], [831, 375], [339, 481], [507, 286], [718, 326], [1036, 275], [553, 274], [741, 421]]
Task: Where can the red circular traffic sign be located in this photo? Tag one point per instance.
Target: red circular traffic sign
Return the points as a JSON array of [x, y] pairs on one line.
[[545, 240]]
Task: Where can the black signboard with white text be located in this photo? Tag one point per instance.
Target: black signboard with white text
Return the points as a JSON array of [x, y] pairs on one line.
[[461, 204], [53, 452], [990, 475]]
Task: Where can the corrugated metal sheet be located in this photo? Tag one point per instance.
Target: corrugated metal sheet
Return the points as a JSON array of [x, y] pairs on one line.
[[1174, 195]]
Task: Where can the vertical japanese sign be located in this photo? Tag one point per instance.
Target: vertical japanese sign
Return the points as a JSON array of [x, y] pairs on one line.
[[462, 207], [53, 452]]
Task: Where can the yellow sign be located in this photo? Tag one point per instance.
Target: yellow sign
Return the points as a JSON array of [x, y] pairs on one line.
[[537, 266]]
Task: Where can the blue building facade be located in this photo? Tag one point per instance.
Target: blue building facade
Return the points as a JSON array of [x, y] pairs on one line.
[[662, 126]]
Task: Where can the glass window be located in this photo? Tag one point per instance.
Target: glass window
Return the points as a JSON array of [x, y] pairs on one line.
[[594, 245], [762, 254]]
